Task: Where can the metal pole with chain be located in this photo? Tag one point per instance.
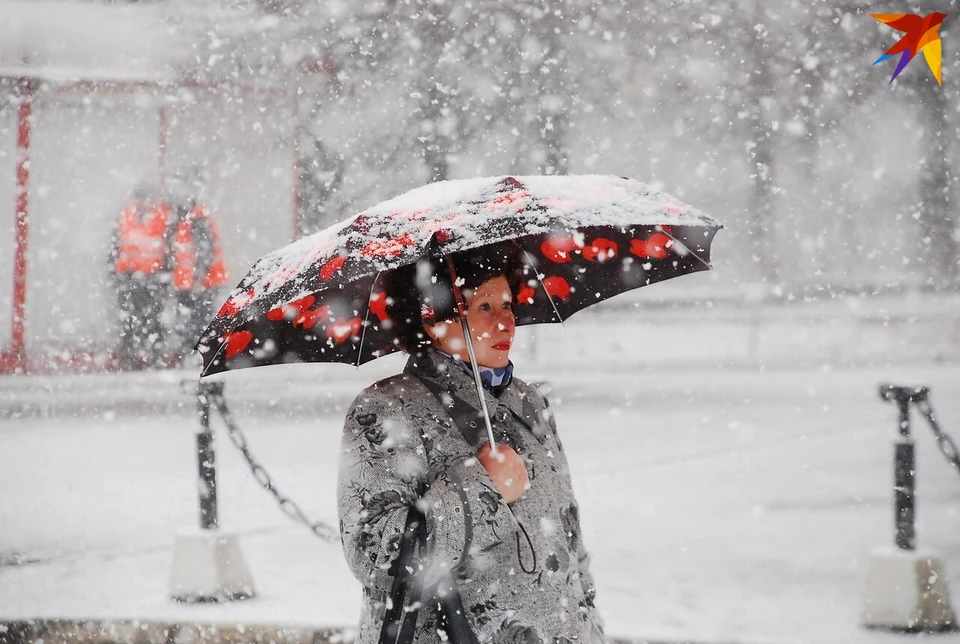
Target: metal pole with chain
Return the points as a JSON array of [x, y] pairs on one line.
[[208, 564], [206, 458], [944, 442], [907, 588], [287, 505], [904, 467]]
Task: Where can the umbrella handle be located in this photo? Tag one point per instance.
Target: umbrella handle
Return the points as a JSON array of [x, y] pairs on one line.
[[478, 382]]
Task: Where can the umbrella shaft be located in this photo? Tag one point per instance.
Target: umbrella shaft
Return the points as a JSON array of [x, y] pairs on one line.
[[476, 377]]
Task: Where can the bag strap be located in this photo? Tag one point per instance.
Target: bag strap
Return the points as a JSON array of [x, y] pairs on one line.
[[453, 616], [395, 621], [399, 620], [467, 418]]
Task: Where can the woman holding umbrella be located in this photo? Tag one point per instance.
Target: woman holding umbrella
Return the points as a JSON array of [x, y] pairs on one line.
[[492, 533], [499, 527]]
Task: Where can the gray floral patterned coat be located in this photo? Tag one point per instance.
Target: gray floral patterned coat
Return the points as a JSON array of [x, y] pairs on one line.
[[522, 570]]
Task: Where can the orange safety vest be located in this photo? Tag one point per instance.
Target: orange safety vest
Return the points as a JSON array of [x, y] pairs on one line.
[[142, 243], [185, 256]]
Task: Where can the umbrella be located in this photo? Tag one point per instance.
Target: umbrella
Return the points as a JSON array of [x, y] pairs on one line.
[[583, 238]]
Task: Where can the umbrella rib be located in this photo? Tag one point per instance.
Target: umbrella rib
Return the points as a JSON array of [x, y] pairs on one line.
[[531, 263], [366, 317], [223, 345], [687, 248]]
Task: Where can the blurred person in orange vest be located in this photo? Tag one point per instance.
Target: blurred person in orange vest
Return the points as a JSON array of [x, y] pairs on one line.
[[198, 267], [140, 275]]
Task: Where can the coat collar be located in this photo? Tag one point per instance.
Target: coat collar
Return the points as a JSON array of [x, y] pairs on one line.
[[434, 366]]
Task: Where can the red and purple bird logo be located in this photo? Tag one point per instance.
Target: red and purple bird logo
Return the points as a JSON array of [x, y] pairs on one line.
[[920, 34]]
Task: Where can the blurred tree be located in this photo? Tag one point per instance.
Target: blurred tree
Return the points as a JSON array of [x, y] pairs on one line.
[[791, 72], [469, 70], [416, 49], [939, 252], [404, 90], [938, 249], [542, 67], [748, 37], [321, 175]]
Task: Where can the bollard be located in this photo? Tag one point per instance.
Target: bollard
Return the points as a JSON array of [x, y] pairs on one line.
[[904, 465], [206, 458], [906, 589], [208, 564]]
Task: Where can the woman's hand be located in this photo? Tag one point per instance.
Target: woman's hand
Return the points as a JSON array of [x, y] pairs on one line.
[[507, 469]]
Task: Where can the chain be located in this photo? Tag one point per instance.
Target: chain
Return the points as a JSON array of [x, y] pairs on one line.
[[946, 444], [289, 507]]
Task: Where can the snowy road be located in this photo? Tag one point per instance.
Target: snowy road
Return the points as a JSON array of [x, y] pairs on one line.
[[731, 505]]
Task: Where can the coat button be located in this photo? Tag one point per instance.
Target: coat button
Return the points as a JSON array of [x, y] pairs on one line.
[[501, 415]]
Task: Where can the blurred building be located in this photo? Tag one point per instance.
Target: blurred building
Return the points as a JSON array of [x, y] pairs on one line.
[[94, 99]]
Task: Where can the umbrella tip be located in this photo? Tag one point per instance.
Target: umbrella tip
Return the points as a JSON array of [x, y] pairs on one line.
[[509, 183]]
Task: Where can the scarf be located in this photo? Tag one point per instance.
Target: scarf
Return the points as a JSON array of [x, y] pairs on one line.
[[496, 379]]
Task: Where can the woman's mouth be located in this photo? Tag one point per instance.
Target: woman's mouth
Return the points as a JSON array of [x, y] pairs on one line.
[[502, 346]]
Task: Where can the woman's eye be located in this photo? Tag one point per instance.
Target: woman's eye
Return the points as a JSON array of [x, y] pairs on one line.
[[484, 307]]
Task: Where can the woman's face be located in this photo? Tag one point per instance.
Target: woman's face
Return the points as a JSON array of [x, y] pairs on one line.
[[492, 325]]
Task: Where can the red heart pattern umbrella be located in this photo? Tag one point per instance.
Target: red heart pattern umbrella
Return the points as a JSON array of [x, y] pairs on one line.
[[586, 238]]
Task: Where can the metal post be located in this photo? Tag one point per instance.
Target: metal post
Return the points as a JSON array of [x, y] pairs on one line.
[[208, 564], [17, 357], [906, 589], [904, 466], [206, 458], [903, 490]]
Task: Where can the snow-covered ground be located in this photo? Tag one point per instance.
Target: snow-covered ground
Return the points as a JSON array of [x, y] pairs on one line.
[[721, 502]]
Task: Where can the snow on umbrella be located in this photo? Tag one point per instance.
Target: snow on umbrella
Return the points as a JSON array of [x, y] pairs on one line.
[[586, 238]]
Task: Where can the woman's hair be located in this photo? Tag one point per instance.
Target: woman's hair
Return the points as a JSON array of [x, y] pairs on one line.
[[423, 290]]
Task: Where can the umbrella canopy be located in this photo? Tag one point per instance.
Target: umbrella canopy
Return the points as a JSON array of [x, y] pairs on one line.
[[586, 238]]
